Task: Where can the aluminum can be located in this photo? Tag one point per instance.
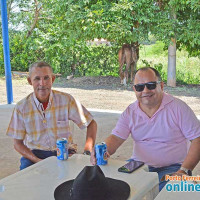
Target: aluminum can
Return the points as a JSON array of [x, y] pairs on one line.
[[100, 150], [62, 149]]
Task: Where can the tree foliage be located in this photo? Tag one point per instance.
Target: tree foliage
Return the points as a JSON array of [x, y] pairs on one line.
[[59, 31], [185, 26]]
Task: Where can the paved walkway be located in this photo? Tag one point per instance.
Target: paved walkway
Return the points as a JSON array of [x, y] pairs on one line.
[[106, 120]]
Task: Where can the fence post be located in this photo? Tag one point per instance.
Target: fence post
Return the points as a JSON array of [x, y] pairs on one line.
[[6, 52]]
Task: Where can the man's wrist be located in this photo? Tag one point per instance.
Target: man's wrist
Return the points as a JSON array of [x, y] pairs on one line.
[[86, 152], [185, 170]]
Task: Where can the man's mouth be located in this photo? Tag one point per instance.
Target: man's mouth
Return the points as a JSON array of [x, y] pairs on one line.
[[146, 95], [42, 89]]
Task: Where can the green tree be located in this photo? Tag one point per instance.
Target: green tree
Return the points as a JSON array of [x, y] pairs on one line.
[[59, 30], [181, 30], [117, 21]]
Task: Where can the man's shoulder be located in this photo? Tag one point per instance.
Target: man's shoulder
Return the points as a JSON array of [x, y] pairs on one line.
[[169, 99], [58, 94], [176, 105], [62, 98], [24, 101], [132, 107]]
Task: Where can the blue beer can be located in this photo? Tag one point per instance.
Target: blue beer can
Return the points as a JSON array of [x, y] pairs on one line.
[[100, 150], [62, 149]]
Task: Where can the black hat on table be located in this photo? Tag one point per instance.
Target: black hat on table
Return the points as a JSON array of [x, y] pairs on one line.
[[91, 184]]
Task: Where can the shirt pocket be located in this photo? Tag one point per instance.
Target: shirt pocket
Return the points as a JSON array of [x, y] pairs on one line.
[[63, 129]]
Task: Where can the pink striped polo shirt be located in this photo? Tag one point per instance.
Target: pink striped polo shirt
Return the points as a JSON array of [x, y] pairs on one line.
[[161, 140]]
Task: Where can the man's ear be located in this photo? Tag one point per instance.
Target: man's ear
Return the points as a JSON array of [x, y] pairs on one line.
[[162, 85], [29, 80], [134, 89], [53, 78]]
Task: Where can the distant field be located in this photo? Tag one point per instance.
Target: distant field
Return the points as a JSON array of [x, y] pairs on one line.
[[187, 68]]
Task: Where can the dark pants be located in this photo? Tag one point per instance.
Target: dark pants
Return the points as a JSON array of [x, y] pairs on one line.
[[163, 171], [40, 154]]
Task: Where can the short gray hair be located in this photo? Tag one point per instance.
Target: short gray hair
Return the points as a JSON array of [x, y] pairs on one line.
[[150, 68], [39, 64]]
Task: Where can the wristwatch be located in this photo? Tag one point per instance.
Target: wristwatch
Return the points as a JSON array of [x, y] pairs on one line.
[[187, 171], [87, 153]]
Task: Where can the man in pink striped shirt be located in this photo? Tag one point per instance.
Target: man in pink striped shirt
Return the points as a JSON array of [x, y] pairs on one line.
[[161, 126], [43, 116]]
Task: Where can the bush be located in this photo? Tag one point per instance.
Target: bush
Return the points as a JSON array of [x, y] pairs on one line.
[[92, 60]]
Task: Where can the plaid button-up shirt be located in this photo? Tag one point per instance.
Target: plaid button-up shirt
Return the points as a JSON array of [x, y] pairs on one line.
[[39, 128]]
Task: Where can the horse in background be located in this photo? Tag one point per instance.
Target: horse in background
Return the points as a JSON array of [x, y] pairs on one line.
[[129, 55]]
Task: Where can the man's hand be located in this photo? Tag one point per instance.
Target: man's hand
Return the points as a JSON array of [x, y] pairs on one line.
[[38, 160], [24, 151], [112, 142], [178, 173], [93, 159], [72, 149]]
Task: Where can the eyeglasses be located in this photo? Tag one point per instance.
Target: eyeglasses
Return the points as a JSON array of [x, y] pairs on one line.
[[150, 86]]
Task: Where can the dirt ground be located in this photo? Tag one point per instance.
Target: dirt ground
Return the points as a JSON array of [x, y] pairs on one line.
[[93, 92]]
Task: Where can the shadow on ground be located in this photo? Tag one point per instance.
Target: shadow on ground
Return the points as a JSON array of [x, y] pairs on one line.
[[113, 83]]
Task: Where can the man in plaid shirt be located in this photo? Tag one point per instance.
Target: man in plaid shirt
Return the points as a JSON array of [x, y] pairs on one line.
[[43, 116]]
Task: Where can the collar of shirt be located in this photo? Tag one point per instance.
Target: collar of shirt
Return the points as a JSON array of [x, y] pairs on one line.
[[39, 105], [167, 98]]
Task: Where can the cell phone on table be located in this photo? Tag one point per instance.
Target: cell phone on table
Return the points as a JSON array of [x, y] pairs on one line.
[[131, 166]]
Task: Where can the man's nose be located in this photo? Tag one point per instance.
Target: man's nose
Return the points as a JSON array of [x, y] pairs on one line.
[[42, 81], [146, 89]]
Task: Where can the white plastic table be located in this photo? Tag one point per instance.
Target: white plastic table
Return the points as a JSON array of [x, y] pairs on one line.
[[39, 181]]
